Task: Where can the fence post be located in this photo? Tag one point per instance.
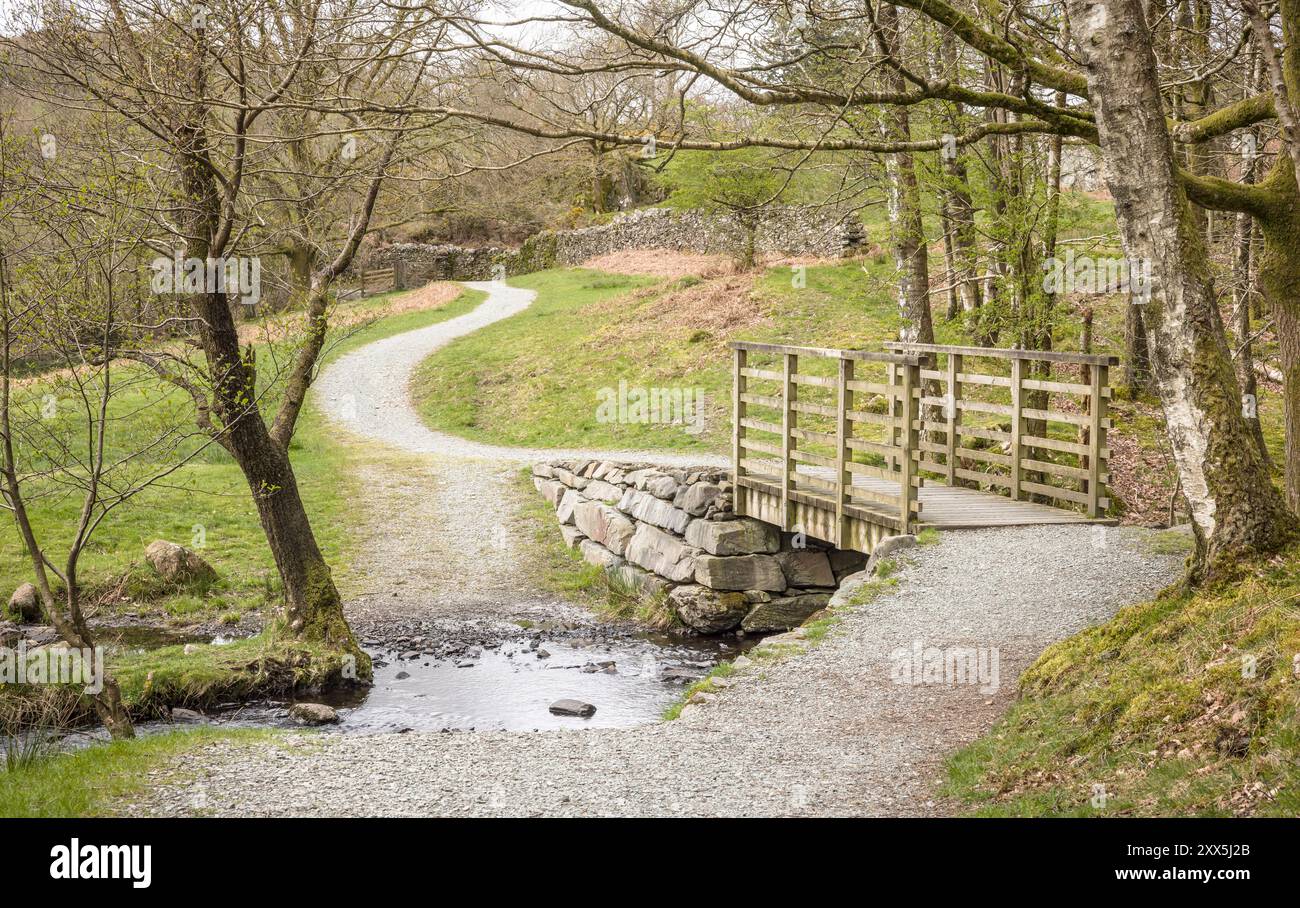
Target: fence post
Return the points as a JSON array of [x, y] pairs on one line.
[[399, 274], [1017, 381], [363, 282], [738, 430], [1099, 379], [843, 478], [909, 439], [789, 420], [891, 462], [953, 416]]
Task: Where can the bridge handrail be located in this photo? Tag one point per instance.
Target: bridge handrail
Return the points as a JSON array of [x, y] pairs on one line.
[[1051, 356], [902, 359]]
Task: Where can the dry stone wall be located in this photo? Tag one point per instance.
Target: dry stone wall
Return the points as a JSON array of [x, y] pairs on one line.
[[785, 231], [672, 534]]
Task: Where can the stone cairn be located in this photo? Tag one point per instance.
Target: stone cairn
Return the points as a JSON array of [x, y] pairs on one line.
[[672, 533]]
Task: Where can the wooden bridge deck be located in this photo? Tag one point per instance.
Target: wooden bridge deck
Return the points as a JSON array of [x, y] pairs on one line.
[[945, 507], [870, 458]]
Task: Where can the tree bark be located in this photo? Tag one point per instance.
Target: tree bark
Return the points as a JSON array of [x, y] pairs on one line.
[[911, 256], [314, 609], [1235, 509]]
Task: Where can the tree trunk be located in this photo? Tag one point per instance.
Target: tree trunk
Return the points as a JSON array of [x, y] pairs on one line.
[[1279, 266], [911, 257], [1137, 353], [1235, 509], [314, 609]]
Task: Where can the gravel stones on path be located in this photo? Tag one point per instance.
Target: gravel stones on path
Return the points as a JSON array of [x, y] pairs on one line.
[[827, 731]]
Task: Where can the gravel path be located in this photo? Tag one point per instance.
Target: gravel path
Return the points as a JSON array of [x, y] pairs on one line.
[[826, 732], [366, 391], [440, 530]]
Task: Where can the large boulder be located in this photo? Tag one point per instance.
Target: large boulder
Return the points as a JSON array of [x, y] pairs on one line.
[[604, 524], [739, 572], [655, 511], [806, 567], [743, 536], [708, 611], [25, 605], [784, 613], [177, 564], [665, 554]]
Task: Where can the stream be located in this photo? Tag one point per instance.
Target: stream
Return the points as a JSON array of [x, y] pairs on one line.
[[503, 684]]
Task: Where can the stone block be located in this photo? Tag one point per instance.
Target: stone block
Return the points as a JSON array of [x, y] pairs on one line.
[[662, 553], [739, 572], [742, 536], [809, 567], [604, 524]]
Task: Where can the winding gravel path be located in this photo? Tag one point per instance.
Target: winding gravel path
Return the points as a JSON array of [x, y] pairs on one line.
[[366, 391], [439, 522], [828, 731]]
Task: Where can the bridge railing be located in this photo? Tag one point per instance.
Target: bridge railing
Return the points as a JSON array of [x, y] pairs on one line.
[[808, 422], [1026, 423]]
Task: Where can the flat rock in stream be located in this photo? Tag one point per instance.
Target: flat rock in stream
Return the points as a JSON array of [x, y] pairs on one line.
[[313, 714], [572, 708]]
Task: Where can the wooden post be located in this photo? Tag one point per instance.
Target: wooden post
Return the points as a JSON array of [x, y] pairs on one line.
[[891, 462], [399, 274], [363, 282], [789, 420], [738, 385], [909, 438], [1097, 436], [1017, 381], [843, 478], [953, 416]]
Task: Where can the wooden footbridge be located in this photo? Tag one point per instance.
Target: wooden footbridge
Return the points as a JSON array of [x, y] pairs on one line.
[[851, 446]]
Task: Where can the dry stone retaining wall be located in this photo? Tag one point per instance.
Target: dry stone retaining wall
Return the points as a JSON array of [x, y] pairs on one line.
[[785, 231], [672, 534]]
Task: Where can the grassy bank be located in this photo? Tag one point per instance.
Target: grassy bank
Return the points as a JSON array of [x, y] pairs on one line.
[[100, 780], [537, 379], [1184, 705], [206, 505]]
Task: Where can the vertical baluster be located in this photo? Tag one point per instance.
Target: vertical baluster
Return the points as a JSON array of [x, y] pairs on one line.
[[953, 415], [1017, 381], [909, 438], [789, 420], [843, 479], [738, 384], [1097, 436]]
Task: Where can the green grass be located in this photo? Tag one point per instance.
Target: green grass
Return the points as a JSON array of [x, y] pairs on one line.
[[207, 504], [536, 379], [704, 685], [100, 779], [1160, 708], [154, 680]]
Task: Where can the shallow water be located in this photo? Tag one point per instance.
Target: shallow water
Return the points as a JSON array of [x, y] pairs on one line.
[[503, 686], [510, 688]]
